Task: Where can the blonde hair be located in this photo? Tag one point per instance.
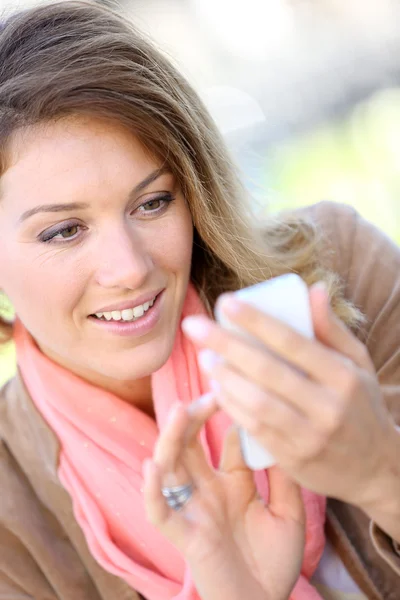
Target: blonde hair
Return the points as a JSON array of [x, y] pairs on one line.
[[80, 58]]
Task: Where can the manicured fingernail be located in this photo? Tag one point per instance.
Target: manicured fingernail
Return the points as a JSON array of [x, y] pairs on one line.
[[229, 304], [175, 408], [320, 285], [208, 359], [203, 403], [196, 327]]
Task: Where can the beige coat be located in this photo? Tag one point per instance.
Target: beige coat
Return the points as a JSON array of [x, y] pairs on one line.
[[43, 553]]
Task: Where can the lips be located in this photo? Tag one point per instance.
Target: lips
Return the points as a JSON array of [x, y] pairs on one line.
[[127, 304], [128, 314], [135, 328]]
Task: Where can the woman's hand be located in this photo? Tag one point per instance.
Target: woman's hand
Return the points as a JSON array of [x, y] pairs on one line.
[[236, 546], [316, 404]]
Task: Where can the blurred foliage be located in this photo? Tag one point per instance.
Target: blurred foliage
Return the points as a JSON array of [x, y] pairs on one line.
[[355, 161], [7, 352], [7, 362]]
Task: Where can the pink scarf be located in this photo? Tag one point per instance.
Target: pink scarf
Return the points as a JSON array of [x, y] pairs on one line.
[[104, 441]]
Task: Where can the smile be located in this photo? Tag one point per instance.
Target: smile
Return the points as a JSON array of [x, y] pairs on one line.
[[128, 314], [137, 321]]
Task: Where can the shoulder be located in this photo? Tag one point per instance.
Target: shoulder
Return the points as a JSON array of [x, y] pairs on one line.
[[12, 478], [352, 240], [6, 467], [17, 566], [365, 258], [18, 501], [368, 264]]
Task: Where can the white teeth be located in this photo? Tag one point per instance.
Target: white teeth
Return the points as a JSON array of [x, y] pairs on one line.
[[138, 311], [127, 314]]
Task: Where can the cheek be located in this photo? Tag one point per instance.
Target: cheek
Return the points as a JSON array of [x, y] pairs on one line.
[[172, 247], [41, 290]]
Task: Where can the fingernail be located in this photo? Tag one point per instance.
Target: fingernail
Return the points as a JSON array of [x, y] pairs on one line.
[[175, 408], [321, 285], [208, 359], [202, 403], [229, 304], [196, 327]]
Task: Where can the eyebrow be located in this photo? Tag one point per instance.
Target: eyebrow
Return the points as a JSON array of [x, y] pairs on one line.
[[54, 208]]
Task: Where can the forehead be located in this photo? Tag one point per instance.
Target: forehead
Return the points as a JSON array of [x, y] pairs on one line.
[[70, 156]]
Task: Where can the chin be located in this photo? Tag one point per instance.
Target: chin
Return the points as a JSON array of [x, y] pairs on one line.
[[139, 362], [146, 369]]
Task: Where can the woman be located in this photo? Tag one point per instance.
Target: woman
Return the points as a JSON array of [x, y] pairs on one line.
[[121, 224]]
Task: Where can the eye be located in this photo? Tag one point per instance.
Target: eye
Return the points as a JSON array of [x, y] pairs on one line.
[[64, 232], [156, 205], [152, 204], [69, 231]]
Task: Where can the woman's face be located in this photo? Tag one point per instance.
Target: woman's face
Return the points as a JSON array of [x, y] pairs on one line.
[[89, 223]]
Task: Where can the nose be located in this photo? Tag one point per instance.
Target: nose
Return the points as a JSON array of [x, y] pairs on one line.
[[123, 260]]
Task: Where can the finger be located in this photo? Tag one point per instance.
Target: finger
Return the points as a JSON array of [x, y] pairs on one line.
[[332, 332], [285, 498], [195, 458], [200, 411], [157, 510], [232, 459], [278, 440], [282, 404], [159, 514], [178, 451], [268, 372], [236, 411], [170, 446], [168, 449], [321, 364]]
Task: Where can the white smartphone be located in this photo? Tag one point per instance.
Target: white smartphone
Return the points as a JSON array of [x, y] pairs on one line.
[[286, 298]]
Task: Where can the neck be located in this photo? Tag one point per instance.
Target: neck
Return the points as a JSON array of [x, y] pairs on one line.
[[137, 392]]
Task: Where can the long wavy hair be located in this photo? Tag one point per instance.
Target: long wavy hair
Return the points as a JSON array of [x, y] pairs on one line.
[[81, 58]]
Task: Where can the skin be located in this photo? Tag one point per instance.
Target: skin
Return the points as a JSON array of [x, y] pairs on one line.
[[115, 251], [112, 250], [118, 252], [225, 530], [118, 248], [315, 404]]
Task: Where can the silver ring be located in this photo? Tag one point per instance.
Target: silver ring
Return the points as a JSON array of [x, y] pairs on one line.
[[177, 496]]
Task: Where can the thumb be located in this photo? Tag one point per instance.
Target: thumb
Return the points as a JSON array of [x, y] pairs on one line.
[[285, 500], [332, 332], [232, 459]]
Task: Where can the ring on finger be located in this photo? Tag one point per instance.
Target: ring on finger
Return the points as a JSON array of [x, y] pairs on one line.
[[178, 496]]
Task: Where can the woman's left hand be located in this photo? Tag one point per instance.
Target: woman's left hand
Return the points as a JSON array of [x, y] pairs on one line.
[[235, 546], [315, 404]]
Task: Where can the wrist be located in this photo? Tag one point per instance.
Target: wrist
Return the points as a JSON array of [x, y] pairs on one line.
[[225, 582]]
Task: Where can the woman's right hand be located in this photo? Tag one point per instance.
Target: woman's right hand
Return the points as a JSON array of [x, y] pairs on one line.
[[235, 546]]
